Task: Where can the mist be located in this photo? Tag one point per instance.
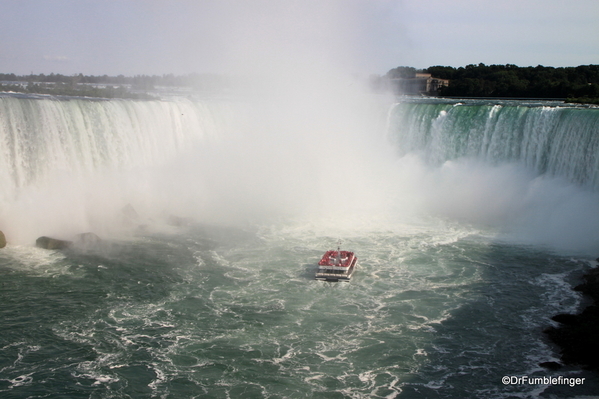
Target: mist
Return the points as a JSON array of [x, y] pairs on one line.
[[299, 116], [507, 202], [300, 140]]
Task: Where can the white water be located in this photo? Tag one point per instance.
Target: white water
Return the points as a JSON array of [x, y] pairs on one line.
[[70, 166], [527, 171], [548, 137], [447, 299]]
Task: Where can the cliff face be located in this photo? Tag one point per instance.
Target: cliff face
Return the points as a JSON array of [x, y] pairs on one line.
[[577, 335]]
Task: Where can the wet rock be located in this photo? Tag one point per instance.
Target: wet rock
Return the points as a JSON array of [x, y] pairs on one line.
[[577, 334], [2, 240], [566, 319], [590, 286], [551, 365], [52, 243]]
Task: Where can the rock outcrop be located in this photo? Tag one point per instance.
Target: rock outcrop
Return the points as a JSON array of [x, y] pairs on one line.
[[577, 334], [52, 243], [2, 240]]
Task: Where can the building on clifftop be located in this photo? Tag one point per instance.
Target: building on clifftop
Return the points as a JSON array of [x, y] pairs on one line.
[[421, 84]]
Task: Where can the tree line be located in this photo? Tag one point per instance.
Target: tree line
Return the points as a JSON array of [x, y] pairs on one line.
[[512, 81], [581, 82]]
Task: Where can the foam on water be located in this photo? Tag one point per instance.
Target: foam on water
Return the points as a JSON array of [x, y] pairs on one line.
[[449, 296]]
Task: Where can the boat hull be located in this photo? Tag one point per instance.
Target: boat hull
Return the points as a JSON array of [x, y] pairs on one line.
[[325, 273]]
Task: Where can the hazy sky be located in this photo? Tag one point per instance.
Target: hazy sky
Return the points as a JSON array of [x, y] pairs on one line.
[[363, 36]]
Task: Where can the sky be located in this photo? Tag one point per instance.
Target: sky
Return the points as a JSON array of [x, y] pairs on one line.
[[132, 37]]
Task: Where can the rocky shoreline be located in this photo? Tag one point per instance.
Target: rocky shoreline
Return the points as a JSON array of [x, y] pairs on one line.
[[578, 334]]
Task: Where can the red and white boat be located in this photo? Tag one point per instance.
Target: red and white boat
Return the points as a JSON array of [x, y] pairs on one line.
[[336, 266]]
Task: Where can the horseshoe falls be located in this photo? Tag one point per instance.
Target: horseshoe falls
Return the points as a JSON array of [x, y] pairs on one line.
[[555, 140], [472, 221]]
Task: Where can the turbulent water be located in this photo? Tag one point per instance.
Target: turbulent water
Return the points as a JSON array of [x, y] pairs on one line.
[[471, 222]]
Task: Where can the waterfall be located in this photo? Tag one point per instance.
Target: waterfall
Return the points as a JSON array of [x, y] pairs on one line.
[[40, 137], [559, 141], [59, 158], [68, 166]]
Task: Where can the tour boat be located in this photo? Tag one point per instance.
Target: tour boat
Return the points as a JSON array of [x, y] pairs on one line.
[[336, 266]]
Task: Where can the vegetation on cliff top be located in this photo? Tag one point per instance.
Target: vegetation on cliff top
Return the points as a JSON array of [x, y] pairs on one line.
[[576, 84], [512, 81]]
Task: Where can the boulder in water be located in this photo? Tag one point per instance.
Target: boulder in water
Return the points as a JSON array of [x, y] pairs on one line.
[[2, 240], [52, 243]]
